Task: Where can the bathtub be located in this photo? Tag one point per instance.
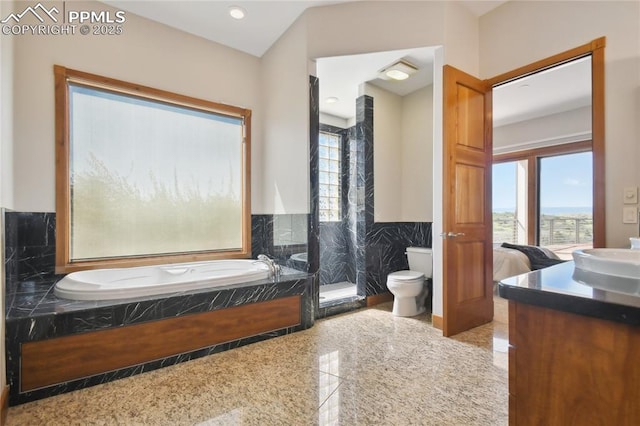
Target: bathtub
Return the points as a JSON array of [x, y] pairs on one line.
[[299, 257], [122, 283]]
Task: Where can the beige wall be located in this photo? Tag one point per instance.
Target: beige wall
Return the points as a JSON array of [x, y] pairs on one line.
[[402, 154], [374, 26], [387, 154], [563, 127], [285, 84], [417, 156], [147, 53], [541, 29], [461, 40]]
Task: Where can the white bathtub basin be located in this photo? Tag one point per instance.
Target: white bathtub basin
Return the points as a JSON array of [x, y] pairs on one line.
[[109, 284], [623, 263], [299, 257]]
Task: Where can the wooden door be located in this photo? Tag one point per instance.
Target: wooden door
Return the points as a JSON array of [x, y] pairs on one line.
[[466, 196]]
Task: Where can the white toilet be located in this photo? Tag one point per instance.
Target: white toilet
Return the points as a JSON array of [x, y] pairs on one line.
[[408, 287]]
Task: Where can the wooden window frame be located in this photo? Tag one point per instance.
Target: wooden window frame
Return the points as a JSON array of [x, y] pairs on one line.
[[64, 264]]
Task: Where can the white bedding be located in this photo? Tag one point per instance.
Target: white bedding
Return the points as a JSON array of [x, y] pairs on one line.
[[510, 262]]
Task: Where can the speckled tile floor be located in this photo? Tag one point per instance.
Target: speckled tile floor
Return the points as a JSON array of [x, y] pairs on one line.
[[361, 368]]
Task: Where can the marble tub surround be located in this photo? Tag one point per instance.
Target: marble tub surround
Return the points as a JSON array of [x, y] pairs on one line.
[[361, 368], [36, 316]]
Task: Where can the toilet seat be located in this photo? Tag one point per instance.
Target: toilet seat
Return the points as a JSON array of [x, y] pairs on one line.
[[404, 276]]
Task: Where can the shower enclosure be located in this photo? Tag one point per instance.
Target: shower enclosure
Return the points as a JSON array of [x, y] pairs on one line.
[[342, 182], [337, 172]]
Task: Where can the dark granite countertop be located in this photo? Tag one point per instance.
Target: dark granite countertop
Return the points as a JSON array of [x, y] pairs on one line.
[[564, 288]]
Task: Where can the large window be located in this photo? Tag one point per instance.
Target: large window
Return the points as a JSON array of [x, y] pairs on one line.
[[329, 174], [545, 197], [147, 176]]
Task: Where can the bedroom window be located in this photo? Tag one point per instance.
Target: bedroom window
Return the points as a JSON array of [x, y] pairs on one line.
[[566, 201], [329, 169], [545, 197], [146, 176]]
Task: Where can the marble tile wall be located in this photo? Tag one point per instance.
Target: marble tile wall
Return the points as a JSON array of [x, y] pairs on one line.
[[386, 246], [364, 137], [314, 181], [281, 237], [335, 264], [336, 247], [30, 247]]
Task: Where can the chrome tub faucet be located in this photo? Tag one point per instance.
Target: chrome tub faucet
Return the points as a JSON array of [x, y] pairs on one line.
[[274, 268]]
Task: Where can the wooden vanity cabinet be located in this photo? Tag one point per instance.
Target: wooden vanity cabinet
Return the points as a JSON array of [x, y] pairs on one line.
[[567, 369]]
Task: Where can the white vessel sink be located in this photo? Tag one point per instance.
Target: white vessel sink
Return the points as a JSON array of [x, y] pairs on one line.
[[623, 263]]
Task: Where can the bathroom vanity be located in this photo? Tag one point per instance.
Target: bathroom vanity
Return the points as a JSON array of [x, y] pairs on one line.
[[574, 348]]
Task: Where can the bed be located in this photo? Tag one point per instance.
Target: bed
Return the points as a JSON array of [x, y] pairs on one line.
[[509, 262]]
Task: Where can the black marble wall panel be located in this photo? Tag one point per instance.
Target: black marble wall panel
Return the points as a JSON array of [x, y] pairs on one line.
[[30, 247], [314, 188], [350, 221], [282, 237], [10, 221], [261, 235], [337, 262], [386, 246], [334, 253], [314, 177], [365, 218]]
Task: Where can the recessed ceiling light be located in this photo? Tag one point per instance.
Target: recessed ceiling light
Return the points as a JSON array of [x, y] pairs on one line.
[[237, 12], [400, 70], [331, 100]]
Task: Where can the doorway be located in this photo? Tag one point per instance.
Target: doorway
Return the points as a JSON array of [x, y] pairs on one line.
[[575, 118], [543, 159], [462, 94], [370, 207], [337, 173]]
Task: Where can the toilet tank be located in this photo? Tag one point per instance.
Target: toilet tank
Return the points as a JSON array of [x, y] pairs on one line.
[[420, 259]]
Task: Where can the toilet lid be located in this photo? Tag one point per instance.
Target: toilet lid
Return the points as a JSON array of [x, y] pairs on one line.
[[406, 275]]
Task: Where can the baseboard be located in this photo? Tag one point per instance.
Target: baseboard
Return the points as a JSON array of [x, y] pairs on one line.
[[4, 406], [437, 321], [376, 299]]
